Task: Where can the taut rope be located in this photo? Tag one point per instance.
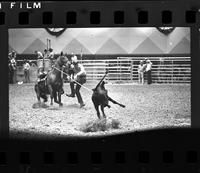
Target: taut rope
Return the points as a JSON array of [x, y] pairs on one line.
[[73, 79]]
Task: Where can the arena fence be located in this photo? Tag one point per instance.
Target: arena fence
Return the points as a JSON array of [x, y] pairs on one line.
[[124, 69]]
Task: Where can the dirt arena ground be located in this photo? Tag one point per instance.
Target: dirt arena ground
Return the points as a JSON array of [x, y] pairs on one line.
[[147, 107]]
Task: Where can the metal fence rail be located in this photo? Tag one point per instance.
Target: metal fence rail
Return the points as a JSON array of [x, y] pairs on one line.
[[164, 70], [124, 69]]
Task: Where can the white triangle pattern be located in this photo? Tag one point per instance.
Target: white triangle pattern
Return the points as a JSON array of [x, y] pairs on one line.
[[173, 39], [129, 39], [160, 40], [93, 38], [18, 42]]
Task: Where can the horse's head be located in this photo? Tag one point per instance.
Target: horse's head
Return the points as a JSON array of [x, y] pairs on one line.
[[62, 61]]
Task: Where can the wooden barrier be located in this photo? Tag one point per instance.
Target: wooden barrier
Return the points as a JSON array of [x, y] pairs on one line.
[[124, 69]]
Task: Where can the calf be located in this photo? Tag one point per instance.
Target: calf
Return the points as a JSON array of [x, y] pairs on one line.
[[100, 98]]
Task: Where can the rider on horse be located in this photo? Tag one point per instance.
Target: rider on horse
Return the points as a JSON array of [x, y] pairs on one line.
[[51, 56], [41, 72], [53, 82]]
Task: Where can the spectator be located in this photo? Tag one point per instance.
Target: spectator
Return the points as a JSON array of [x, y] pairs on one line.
[[148, 71], [26, 68], [141, 70], [12, 68], [39, 54]]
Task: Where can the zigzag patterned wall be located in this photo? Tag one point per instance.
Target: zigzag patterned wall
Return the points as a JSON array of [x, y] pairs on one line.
[[146, 40]]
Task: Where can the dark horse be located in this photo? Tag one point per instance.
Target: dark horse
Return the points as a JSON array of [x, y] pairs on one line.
[[52, 83]]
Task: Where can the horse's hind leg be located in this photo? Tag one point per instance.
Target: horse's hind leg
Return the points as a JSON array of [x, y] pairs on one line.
[[97, 109], [37, 93], [55, 96]]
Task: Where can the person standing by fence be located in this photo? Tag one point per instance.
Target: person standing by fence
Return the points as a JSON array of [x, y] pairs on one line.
[[26, 68], [141, 70], [148, 71]]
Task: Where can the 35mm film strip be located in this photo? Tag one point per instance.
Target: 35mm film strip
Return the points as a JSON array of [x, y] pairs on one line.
[[100, 86], [159, 13]]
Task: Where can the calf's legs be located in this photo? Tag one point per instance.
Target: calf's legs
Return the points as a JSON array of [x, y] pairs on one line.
[[115, 102], [102, 109], [97, 109]]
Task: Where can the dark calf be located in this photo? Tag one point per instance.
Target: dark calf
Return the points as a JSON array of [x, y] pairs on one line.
[[100, 98]]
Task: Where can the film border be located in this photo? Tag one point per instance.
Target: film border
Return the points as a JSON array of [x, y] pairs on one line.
[[110, 145]]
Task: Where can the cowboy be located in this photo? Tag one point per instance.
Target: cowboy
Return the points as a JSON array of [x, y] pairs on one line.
[[39, 54], [41, 72], [41, 75], [141, 70], [26, 68], [51, 56], [12, 66], [79, 79], [46, 54], [12, 55], [148, 71]]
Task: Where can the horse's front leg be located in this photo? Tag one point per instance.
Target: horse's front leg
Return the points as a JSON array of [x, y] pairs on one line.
[[51, 93], [37, 92], [57, 94], [59, 98]]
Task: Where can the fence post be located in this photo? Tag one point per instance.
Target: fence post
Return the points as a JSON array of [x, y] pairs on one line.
[[120, 74], [172, 71], [131, 71], [117, 68]]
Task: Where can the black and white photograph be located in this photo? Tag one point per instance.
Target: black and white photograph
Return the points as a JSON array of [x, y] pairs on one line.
[[89, 82]]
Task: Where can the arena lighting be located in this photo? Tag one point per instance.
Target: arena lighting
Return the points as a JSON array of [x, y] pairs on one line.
[[165, 30], [55, 31]]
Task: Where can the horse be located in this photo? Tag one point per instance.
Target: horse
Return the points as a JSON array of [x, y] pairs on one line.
[[52, 83]]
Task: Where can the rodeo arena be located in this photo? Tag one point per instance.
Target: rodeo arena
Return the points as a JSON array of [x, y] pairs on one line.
[[84, 82]]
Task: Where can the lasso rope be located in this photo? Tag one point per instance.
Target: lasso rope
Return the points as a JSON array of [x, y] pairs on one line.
[[73, 79]]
